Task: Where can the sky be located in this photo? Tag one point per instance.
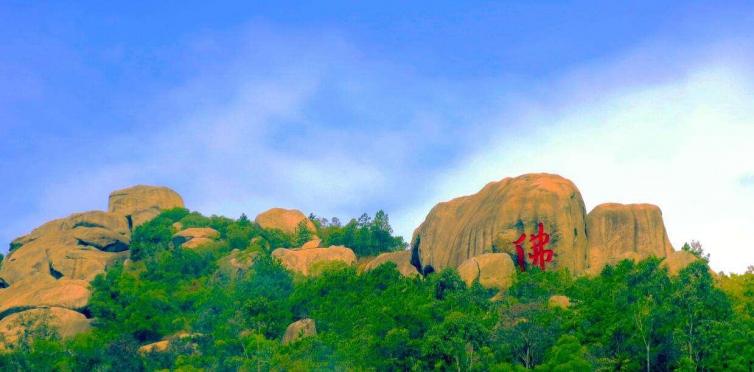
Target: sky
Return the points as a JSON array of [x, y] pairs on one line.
[[340, 108]]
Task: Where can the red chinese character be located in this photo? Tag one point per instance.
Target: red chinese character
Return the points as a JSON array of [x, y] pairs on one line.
[[540, 255], [520, 252]]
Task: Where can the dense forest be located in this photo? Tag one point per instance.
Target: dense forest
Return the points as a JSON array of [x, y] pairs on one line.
[[633, 316]]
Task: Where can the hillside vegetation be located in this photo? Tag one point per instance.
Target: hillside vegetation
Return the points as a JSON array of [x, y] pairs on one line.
[[210, 315]]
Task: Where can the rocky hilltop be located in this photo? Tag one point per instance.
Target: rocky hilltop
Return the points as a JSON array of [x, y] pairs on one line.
[[47, 272], [504, 211]]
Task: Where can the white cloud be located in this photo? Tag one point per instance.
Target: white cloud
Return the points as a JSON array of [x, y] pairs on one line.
[[683, 143]]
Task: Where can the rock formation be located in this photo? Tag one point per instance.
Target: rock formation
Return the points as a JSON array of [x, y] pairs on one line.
[[64, 322], [303, 261], [496, 216], [51, 267], [286, 220], [620, 231], [140, 204], [402, 261], [299, 329], [195, 236], [493, 270]]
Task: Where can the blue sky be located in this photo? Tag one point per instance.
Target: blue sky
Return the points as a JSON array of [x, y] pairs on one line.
[[341, 108]]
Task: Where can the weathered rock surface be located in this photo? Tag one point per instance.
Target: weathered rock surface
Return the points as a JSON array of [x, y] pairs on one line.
[[402, 261], [459, 229], [65, 322], [195, 236], [51, 267], [493, 270], [299, 329], [141, 203], [314, 243], [620, 231], [304, 260], [678, 260], [79, 246], [283, 219], [42, 291]]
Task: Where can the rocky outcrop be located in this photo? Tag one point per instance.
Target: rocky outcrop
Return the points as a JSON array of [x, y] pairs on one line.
[[305, 261], [195, 236], [41, 291], [51, 267], [402, 261], [79, 246], [498, 215], [286, 220], [299, 329], [64, 322], [140, 204], [492, 270], [625, 231]]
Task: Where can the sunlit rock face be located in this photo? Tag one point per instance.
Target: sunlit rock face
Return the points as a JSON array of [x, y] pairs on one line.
[[141, 203], [492, 219], [47, 272], [625, 231]]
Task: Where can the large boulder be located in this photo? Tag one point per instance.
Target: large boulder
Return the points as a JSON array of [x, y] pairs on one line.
[[286, 220], [625, 231], [43, 291], [79, 246], [303, 261], [299, 329], [51, 267], [66, 323], [559, 301], [401, 259], [195, 236], [493, 270], [498, 215], [141, 203]]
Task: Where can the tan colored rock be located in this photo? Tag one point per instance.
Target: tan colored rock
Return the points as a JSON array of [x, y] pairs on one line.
[[164, 344], [66, 323], [79, 246], [299, 329], [304, 260], [44, 291], [559, 301], [314, 243], [678, 260], [237, 262], [140, 204], [469, 226], [493, 270], [402, 261], [195, 236], [283, 219], [625, 231], [155, 347]]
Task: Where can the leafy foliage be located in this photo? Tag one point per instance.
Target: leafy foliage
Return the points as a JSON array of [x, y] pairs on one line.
[[366, 236]]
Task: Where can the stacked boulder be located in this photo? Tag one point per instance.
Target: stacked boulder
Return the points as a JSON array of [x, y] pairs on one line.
[[461, 233], [47, 272]]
